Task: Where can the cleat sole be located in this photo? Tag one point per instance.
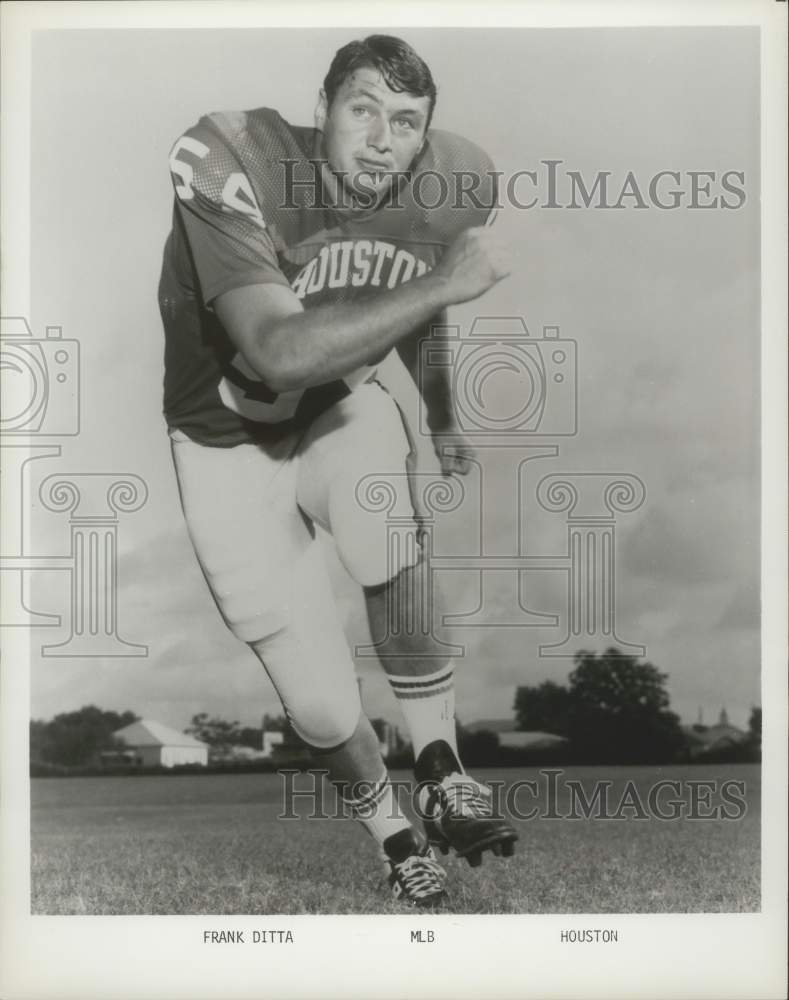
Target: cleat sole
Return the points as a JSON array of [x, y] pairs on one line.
[[500, 844]]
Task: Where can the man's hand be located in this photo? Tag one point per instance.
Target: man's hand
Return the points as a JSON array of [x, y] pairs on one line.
[[454, 453], [475, 261]]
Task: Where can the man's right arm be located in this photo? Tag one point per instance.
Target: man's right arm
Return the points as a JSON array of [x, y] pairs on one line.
[[292, 348]]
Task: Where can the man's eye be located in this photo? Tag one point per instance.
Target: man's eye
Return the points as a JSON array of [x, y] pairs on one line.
[[404, 123], [361, 112]]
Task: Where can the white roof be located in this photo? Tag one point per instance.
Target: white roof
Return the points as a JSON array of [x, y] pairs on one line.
[[509, 726], [492, 725], [530, 738], [146, 733]]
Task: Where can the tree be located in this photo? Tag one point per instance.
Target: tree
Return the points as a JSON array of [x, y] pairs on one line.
[[614, 710], [214, 731], [220, 733], [755, 733], [39, 740], [251, 736], [281, 724], [544, 708], [76, 738], [620, 710], [477, 749]]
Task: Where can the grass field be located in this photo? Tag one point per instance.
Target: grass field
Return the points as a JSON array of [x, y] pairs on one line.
[[212, 844]]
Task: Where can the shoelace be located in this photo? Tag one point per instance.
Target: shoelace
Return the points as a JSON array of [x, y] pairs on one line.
[[468, 798], [420, 874]]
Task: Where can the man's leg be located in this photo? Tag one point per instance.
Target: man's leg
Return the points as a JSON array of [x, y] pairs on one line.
[[308, 661], [268, 578], [325, 710], [401, 624], [339, 460], [457, 810]]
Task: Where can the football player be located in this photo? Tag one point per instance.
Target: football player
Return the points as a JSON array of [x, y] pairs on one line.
[[298, 259]]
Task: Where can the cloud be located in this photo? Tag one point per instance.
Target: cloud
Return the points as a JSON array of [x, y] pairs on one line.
[[744, 610], [666, 547], [704, 535]]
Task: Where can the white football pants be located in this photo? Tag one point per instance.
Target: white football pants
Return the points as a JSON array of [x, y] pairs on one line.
[[245, 511]]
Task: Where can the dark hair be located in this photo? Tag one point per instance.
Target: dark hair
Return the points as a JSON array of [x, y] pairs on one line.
[[403, 70]]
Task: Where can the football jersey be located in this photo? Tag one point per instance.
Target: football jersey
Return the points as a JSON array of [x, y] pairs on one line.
[[254, 204]]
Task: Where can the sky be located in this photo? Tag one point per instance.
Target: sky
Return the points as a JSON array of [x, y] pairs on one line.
[[663, 307]]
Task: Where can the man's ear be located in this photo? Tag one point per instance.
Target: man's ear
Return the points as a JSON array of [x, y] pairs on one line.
[[321, 110]]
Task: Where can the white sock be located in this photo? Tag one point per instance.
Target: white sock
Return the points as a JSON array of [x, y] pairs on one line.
[[374, 805], [428, 704]]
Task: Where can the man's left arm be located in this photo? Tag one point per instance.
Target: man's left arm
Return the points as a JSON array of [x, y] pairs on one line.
[[434, 383]]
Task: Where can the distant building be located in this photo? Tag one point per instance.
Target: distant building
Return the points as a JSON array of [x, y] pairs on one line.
[[389, 739], [227, 753], [510, 736], [272, 739], [706, 739], [155, 745]]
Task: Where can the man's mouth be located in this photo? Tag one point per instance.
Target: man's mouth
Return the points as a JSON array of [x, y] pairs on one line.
[[373, 166]]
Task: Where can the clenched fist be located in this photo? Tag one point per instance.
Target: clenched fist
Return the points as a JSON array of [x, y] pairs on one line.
[[455, 453], [475, 261]]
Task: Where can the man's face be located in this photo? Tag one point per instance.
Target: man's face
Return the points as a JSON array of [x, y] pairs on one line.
[[371, 132]]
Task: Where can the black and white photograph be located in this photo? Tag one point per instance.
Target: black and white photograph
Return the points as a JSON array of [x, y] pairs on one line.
[[394, 505]]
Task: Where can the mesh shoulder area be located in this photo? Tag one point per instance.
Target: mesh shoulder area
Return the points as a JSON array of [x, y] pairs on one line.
[[457, 180], [237, 161], [201, 161]]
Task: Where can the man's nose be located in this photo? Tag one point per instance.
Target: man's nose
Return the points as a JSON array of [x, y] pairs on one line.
[[379, 135]]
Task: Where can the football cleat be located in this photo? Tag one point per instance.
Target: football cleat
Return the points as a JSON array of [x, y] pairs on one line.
[[457, 810], [413, 874]]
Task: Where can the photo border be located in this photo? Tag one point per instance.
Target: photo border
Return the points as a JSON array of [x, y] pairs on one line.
[[720, 955]]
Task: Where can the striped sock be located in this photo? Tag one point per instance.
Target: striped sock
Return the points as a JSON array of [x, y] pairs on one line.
[[428, 704], [374, 805]]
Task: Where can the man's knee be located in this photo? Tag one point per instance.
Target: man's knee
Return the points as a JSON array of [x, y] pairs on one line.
[[375, 546], [401, 578], [253, 618], [325, 722], [383, 570], [315, 683]]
